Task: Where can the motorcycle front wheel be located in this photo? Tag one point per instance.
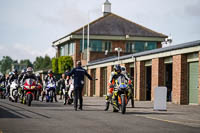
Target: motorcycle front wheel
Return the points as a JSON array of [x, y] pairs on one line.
[[123, 106], [29, 99]]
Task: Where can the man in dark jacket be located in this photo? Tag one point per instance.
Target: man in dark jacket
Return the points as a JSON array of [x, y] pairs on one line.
[[79, 74]]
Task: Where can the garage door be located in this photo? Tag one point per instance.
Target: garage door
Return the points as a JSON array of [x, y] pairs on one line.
[[193, 83]]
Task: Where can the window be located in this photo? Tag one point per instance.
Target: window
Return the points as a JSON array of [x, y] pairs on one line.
[[62, 51], [97, 45], [106, 45], [151, 45], [130, 47]]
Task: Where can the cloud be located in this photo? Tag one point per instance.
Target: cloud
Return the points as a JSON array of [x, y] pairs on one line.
[[22, 51]]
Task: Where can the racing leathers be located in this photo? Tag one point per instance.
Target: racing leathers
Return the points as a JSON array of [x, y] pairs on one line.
[[114, 76]]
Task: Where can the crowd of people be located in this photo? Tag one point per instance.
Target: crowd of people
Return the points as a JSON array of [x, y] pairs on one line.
[[73, 79]]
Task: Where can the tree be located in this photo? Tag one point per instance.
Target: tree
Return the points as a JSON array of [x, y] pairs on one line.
[[64, 63], [26, 62], [6, 63], [42, 63]]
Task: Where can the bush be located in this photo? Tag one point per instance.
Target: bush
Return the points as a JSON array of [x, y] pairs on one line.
[[64, 63]]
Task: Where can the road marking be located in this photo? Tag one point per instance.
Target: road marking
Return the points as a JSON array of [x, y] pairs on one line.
[[172, 121]]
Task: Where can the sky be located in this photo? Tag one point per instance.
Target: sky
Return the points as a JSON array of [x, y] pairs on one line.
[[28, 27]]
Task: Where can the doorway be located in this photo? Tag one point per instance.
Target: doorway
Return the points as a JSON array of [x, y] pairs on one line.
[[148, 83], [168, 81], [193, 82]]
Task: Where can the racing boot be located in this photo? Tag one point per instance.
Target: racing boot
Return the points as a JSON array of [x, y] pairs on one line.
[[107, 106]]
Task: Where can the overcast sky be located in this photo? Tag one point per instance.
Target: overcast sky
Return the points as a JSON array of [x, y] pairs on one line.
[[28, 27]]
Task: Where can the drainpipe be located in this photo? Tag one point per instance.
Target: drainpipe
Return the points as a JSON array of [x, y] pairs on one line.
[[135, 80]]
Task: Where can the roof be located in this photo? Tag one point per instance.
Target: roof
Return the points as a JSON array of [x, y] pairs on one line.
[[155, 51], [114, 25]]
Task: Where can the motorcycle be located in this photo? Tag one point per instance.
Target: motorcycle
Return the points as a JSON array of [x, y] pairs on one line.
[[50, 91], [38, 91], [69, 93], [2, 91], [14, 91], [29, 88], [120, 95]]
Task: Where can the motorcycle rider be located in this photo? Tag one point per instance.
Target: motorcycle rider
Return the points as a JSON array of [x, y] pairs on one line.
[[21, 76], [61, 83], [39, 86], [14, 76], [8, 84], [114, 75], [48, 78]]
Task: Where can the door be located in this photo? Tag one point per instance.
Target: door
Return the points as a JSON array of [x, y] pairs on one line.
[[193, 83]]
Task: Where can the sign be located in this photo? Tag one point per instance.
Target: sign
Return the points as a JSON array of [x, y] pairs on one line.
[[160, 99]]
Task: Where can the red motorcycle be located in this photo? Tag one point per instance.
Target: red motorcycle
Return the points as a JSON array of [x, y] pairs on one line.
[[29, 88]]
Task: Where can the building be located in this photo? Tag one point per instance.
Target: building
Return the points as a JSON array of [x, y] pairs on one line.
[[176, 67], [105, 34]]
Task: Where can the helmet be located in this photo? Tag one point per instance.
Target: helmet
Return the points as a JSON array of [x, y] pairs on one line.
[[123, 69], [24, 70], [50, 72], [15, 71], [37, 75], [10, 73], [117, 68], [29, 70]]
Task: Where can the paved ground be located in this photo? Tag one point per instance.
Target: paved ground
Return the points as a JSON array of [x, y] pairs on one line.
[[55, 117]]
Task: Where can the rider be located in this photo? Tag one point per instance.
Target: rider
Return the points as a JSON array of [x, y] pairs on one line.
[[61, 83], [21, 75], [48, 78], [114, 75], [39, 86], [8, 84], [14, 76], [28, 75]]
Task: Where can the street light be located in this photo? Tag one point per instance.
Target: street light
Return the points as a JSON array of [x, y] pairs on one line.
[[118, 50]]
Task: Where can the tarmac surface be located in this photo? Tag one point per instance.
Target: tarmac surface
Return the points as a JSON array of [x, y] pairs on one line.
[[44, 117]]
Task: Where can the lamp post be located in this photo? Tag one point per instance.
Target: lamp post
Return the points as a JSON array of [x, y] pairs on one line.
[[118, 50]]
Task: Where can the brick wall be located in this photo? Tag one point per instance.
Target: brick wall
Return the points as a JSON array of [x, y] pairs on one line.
[[89, 87], [109, 70], [77, 54], [99, 82], [140, 89], [157, 75], [159, 45], [116, 44], [199, 77], [179, 87]]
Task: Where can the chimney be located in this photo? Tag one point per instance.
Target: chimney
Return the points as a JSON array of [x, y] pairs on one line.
[[106, 8]]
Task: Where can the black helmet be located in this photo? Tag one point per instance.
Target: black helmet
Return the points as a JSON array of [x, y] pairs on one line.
[[15, 71], [117, 68], [50, 72]]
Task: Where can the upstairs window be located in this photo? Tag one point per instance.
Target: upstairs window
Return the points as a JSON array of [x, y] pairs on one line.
[[97, 45]]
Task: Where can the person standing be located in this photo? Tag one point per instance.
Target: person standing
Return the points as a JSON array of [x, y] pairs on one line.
[[78, 74]]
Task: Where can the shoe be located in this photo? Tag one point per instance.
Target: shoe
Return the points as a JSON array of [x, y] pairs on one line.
[[80, 108], [75, 109]]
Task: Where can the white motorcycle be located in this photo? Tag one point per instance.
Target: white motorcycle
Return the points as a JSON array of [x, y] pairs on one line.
[[14, 91]]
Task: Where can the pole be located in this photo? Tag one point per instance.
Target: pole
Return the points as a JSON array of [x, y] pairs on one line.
[[83, 39], [88, 39]]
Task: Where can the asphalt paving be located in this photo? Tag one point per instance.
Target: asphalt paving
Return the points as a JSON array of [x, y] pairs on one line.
[[44, 117]]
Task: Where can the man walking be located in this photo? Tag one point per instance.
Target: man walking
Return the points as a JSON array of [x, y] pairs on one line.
[[78, 74]]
